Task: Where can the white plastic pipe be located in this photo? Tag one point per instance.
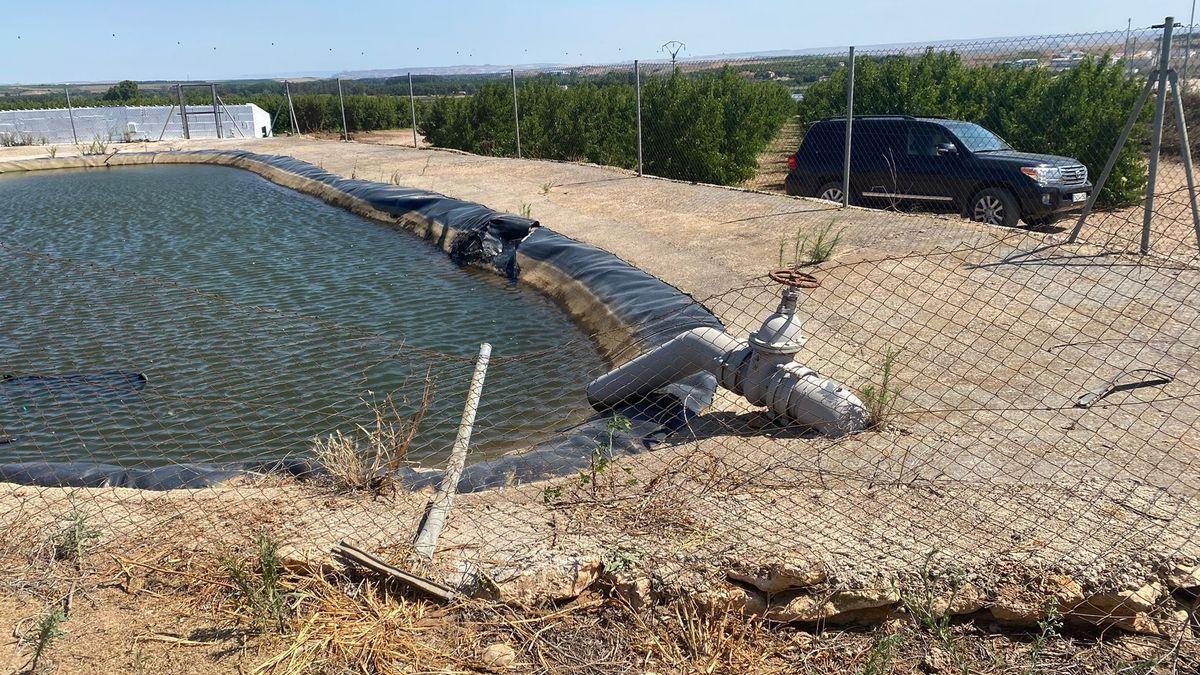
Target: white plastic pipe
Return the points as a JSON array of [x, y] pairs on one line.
[[439, 509]]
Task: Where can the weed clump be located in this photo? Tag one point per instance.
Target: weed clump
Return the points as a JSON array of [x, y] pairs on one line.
[[46, 631], [98, 146], [364, 461], [602, 456], [258, 586], [13, 139], [880, 399], [74, 538], [806, 252]]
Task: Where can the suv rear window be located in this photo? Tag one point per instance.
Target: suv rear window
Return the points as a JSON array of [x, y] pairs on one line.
[[823, 139]]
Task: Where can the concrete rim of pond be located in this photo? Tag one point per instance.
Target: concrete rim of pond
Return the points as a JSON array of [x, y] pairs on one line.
[[625, 309]]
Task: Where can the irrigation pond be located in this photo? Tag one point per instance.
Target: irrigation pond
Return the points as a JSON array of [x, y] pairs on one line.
[[259, 318]]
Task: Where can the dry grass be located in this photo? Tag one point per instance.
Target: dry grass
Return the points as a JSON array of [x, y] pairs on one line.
[[97, 146], [357, 626], [339, 622], [14, 139], [363, 460]]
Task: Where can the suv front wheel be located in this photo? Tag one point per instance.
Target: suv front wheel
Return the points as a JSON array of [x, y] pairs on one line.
[[994, 206]]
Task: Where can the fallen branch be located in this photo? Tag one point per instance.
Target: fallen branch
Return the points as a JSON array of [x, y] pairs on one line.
[[172, 639], [357, 556], [163, 570]]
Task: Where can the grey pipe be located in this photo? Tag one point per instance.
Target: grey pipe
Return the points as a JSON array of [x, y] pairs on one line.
[[697, 350], [763, 370]]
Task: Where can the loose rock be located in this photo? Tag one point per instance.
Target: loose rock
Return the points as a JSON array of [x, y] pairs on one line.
[[499, 656]]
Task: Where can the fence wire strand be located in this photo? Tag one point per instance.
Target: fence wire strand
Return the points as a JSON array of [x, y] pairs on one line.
[[1031, 402]]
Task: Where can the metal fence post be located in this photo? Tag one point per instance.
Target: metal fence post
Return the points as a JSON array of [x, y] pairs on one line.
[[342, 105], [1125, 53], [71, 113], [637, 85], [1187, 51], [849, 131], [1160, 106], [516, 109], [1186, 150], [216, 110], [287, 89], [182, 110], [412, 102]]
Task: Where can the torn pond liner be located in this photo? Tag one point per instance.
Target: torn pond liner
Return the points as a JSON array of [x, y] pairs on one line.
[[626, 309]]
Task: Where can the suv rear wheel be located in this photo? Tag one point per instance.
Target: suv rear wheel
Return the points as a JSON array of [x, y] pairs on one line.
[[830, 192], [994, 206]]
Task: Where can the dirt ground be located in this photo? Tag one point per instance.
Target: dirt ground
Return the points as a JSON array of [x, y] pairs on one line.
[[987, 473], [397, 137], [772, 161]]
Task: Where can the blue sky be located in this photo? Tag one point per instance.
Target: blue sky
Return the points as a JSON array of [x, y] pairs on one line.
[[74, 41]]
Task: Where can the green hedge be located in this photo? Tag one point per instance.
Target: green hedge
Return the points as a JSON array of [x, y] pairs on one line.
[[705, 128], [1078, 113]]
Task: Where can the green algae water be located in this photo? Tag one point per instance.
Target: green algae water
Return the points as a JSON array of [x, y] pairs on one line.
[[261, 318]]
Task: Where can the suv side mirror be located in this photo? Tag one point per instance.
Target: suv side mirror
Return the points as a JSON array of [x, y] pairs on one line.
[[947, 150]]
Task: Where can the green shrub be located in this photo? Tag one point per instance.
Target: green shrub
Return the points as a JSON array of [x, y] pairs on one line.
[[706, 128], [1078, 113], [125, 90]]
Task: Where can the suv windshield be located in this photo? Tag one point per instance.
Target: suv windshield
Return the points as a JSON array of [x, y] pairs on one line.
[[975, 137]]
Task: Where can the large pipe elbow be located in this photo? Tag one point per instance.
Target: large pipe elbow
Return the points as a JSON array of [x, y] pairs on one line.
[[696, 350]]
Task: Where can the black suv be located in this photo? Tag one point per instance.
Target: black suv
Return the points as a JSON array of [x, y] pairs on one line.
[[938, 163]]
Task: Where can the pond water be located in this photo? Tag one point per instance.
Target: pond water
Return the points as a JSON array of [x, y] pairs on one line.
[[260, 318]]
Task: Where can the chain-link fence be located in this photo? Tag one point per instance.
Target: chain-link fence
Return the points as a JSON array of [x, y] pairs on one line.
[[953, 398]]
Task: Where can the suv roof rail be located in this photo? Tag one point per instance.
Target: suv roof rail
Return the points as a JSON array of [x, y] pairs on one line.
[[842, 118]]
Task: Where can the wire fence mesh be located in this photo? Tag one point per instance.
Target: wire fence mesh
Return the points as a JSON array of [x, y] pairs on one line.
[[1015, 435]]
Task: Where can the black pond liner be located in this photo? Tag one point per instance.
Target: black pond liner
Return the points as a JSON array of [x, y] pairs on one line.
[[650, 310]]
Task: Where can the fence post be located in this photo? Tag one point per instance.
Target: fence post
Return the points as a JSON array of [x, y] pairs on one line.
[[849, 131], [216, 111], [1186, 151], [1125, 53], [182, 110], [342, 105], [439, 508], [1187, 51], [1160, 106], [516, 109], [637, 81], [71, 113], [287, 89], [412, 102]]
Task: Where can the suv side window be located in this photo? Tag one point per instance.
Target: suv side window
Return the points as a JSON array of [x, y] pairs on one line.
[[924, 139], [874, 143]]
